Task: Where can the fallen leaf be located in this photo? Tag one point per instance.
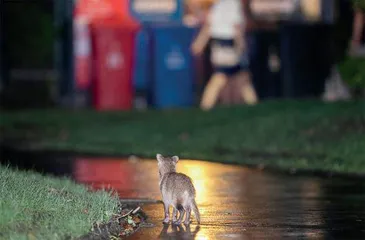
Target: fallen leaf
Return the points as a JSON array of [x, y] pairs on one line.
[[130, 220], [136, 219], [128, 228]]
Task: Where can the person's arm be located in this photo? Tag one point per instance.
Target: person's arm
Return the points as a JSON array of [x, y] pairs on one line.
[[202, 39], [358, 26], [240, 38], [240, 29]]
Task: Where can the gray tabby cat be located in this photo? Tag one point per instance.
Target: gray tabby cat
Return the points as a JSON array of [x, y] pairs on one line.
[[177, 190]]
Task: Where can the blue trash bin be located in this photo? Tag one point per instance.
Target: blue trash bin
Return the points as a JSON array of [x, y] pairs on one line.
[[173, 67], [142, 60]]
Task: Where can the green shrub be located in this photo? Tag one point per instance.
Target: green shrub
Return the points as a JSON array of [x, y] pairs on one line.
[[351, 68], [353, 72], [28, 40], [359, 4]]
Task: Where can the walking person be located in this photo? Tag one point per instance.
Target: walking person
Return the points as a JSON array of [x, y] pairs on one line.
[[224, 26]]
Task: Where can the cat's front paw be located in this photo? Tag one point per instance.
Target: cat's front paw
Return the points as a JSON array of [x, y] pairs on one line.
[[166, 221]]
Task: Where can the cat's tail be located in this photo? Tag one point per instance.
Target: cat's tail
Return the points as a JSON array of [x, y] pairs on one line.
[[195, 209]]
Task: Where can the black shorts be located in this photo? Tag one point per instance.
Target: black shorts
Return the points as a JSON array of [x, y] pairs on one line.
[[230, 70]]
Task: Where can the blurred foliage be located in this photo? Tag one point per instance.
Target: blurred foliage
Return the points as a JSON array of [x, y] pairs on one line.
[[29, 34], [351, 68], [353, 71], [359, 4]]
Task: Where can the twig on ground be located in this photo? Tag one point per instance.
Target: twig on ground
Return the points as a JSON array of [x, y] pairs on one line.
[[127, 214], [136, 210]]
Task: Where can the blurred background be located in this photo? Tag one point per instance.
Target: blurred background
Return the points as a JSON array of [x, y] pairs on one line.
[[76, 60], [135, 54]]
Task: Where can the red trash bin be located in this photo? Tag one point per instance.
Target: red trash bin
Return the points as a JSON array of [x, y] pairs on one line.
[[113, 54]]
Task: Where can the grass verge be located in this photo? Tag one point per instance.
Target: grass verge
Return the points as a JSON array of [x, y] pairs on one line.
[[33, 206], [308, 135]]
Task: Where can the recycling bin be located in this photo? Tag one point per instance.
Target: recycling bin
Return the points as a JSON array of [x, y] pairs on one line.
[[113, 50], [173, 82], [142, 69], [142, 60]]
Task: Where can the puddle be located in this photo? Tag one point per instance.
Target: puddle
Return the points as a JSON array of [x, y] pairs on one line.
[[235, 202]]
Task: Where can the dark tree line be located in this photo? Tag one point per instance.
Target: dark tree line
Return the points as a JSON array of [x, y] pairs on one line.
[[28, 33]]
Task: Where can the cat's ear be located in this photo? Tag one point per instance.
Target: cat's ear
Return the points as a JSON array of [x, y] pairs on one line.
[[159, 157], [175, 159]]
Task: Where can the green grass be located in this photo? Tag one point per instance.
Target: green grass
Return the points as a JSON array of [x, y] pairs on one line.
[[33, 206], [285, 134]]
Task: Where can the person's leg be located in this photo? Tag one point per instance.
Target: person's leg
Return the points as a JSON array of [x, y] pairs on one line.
[[248, 93], [235, 84], [212, 90], [245, 86], [228, 95], [225, 96]]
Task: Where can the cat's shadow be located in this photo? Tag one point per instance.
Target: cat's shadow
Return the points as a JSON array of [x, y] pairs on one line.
[[178, 232]]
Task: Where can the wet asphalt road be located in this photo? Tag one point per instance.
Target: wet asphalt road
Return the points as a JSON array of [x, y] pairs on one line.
[[239, 203]]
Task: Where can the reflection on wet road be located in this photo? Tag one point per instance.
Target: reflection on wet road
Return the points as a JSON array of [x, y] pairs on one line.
[[238, 203]]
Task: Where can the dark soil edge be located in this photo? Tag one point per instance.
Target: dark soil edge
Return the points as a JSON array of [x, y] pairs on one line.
[[254, 167], [118, 226]]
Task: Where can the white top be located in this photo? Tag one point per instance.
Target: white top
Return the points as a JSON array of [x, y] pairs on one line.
[[223, 17]]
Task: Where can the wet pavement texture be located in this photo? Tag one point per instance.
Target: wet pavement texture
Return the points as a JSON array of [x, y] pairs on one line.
[[234, 202]]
